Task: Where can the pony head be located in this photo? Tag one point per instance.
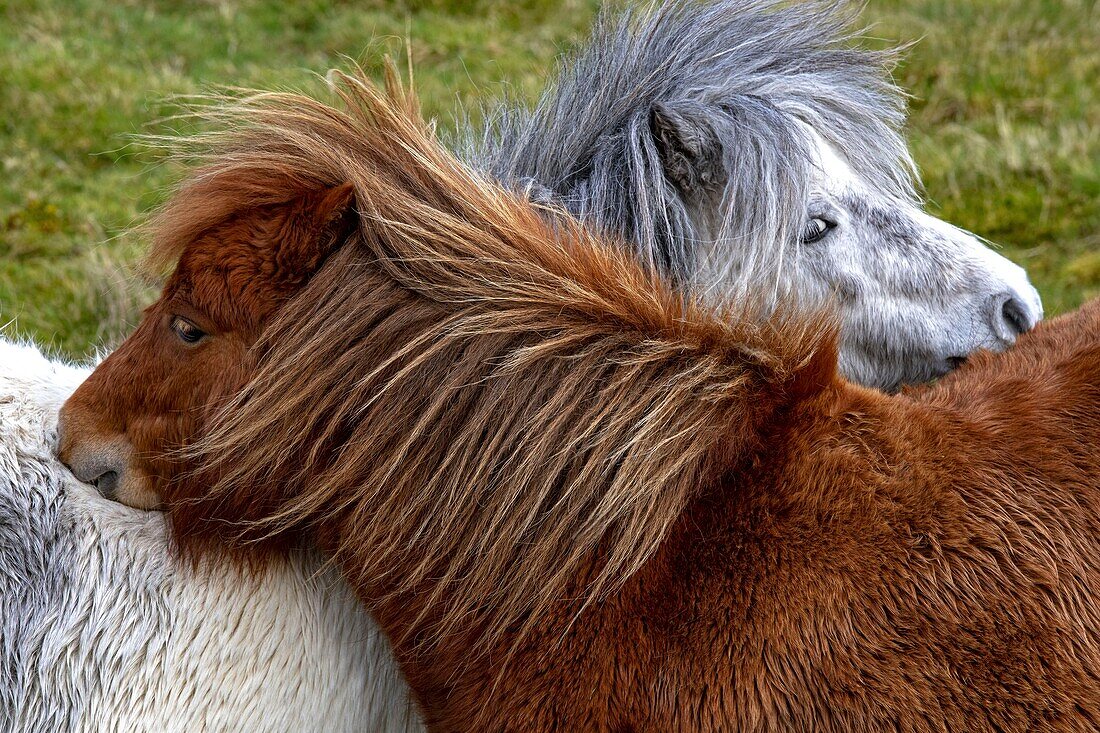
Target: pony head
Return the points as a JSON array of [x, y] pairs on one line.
[[271, 200], [749, 144], [241, 251]]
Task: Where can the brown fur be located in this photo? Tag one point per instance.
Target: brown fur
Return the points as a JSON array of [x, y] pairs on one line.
[[578, 502]]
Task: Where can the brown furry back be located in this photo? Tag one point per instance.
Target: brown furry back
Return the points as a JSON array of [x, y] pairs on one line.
[[465, 403]]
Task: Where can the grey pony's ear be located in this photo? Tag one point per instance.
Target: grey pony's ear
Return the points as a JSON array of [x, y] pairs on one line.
[[690, 152]]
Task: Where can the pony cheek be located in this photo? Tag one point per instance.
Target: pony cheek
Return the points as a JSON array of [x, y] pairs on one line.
[[157, 441]]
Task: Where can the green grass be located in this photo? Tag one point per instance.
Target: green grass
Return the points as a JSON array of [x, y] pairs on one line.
[[1005, 126]]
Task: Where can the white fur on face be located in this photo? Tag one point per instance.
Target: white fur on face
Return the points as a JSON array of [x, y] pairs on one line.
[[915, 294], [100, 630]]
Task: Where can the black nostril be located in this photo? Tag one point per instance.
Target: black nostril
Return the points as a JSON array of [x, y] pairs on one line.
[[107, 484], [1015, 315]]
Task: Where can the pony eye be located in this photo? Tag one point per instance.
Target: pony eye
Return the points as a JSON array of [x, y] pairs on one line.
[[816, 229], [187, 331]]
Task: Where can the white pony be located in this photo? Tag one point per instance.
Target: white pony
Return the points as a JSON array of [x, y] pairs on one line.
[[102, 630]]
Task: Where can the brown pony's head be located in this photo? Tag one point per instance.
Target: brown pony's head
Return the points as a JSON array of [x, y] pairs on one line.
[[245, 233], [193, 346]]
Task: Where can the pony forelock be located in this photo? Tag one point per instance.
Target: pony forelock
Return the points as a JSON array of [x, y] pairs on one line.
[[746, 74]]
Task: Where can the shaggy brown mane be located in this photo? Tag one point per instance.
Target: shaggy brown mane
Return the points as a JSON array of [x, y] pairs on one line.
[[512, 403], [237, 165]]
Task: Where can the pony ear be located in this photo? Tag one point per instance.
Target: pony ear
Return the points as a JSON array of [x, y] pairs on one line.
[[690, 152], [334, 215], [317, 224]]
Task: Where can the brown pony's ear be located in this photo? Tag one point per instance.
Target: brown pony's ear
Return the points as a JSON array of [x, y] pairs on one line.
[[316, 224]]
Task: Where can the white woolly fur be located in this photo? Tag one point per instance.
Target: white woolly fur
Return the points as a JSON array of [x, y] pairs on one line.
[[102, 630]]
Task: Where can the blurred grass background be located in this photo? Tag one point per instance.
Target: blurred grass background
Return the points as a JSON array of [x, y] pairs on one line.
[[1005, 120]]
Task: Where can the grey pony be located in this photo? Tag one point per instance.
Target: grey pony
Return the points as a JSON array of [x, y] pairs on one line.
[[753, 145]]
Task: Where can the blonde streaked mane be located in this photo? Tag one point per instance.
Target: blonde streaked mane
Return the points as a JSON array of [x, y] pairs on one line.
[[467, 403]]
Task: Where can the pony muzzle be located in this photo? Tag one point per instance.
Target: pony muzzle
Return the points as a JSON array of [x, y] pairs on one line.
[[1011, 315], [104, 461]]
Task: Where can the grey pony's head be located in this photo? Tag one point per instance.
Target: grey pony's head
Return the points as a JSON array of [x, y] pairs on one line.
[[749, 146]]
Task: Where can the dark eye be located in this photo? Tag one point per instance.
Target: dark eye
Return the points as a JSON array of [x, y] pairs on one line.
[[187, 331], [816, 229]]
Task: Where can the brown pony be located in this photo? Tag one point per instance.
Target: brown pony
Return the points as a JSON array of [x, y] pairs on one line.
[[573, 499]]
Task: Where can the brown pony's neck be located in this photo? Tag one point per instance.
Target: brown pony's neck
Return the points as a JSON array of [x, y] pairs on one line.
[[485, 454], [867, 521]]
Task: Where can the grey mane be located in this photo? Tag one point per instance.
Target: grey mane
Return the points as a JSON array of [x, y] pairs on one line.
[[673, 103]]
